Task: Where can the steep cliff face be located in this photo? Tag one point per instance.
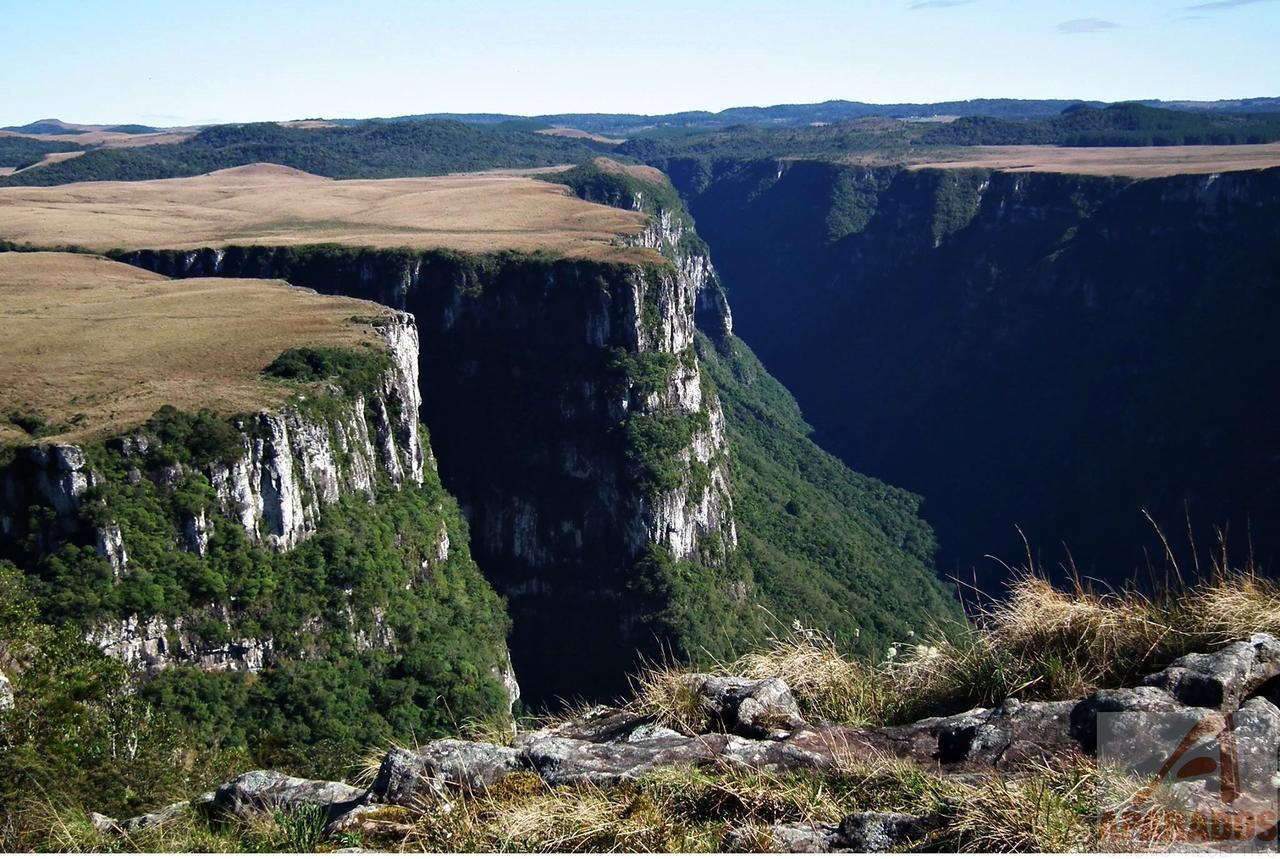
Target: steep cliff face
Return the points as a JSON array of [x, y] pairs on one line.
[[294, 462], [313, 534], [570, 408], [1054, 352], [566, 405]]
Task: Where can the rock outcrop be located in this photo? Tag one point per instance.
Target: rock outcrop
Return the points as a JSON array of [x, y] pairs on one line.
[[149, 645], [288, 466], [607, 747], [295, 461], [863, 832], [546, 384]]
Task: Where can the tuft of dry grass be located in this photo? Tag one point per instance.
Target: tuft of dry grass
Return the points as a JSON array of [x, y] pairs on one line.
[[1044, 643], [826, 684], [1041, 643], [522, 814], [1048, 811], [669, 694]]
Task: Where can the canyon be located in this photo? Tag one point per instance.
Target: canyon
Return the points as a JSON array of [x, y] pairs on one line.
[[573, 398], [1047, 352]]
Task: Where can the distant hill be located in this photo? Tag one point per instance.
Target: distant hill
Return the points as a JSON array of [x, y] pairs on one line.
[[366, 151], [19, 152], [793, 115], [1116, 125], [45, 126], [373, 149]]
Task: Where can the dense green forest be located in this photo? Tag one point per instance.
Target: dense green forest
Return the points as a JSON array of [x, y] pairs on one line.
[[368, 150], [838, 110], [19, 152], [1117, 125], [77, 734], [827, 546]]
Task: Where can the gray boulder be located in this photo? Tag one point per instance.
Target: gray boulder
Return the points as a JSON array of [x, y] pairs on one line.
[[442, 765], [1223, 679], [263, 791], [864, 832], [1138, 701], [600, 724], [563, 760], [878, 832], [102, 823], [749, 708], [6, 693], [783, 838], [168, 814], [1005, 737]]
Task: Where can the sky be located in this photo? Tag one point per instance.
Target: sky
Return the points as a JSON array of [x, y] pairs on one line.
[[191, 62]]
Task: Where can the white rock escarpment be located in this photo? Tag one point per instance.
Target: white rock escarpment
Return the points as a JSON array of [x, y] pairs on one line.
[[295, 463], [680, 518]]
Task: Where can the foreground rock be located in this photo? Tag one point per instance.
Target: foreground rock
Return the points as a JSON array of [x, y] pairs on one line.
[[865, 832], [749, 708], [264, 791], [441, 766], [755, 724]]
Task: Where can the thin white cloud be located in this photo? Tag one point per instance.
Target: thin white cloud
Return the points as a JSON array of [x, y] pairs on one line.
[[938, 4], [1077, 26], [1219, 5]]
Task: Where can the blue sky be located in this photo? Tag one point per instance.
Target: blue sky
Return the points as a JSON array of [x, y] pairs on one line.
[[182, 61]]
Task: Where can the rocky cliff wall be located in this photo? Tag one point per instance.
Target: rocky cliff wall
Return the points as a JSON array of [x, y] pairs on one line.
[[270, 490], [567, 409], [1033, 350], [295, 461]]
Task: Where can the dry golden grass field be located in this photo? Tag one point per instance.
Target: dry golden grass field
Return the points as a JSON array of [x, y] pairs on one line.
[[266, 204], [92, 136], [579, 134], [1139, 162], [50, 158], [95, 346]]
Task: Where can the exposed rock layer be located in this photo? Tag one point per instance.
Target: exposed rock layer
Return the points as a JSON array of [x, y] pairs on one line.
[[535, 375]]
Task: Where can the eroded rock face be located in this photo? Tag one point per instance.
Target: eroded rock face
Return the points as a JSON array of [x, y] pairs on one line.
[[149, 645], [560, 518], [294, 463], [54, 476]]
